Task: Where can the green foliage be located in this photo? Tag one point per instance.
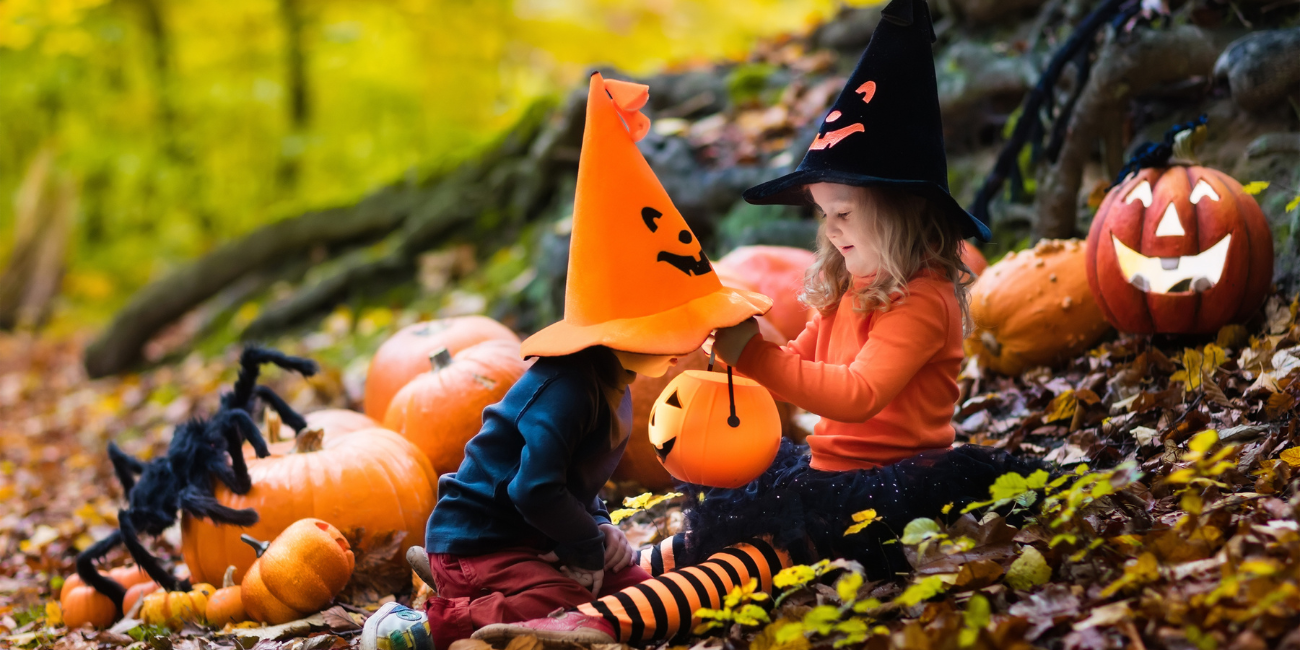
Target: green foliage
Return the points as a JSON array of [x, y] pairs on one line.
[[748, 82], [738, 607], [175, 120]]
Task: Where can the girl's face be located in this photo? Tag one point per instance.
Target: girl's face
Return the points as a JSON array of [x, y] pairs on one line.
[[650, 365], [847, 211]]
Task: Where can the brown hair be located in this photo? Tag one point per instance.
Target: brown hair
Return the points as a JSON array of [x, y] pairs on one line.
[[911, 234]]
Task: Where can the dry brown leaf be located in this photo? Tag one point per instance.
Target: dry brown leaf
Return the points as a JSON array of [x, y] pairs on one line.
[[526, 642], [470, 644]]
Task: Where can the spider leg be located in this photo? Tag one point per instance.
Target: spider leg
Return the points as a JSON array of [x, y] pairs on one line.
[[100, 582], [250, 362], [144, 558], [125, 466], [201, 504], [291, 418], [235, 475]]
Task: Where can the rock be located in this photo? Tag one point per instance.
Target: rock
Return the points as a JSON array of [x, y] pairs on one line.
[[977, 84], [1261, 67], [850, 31], [701, 195], [688, 94]]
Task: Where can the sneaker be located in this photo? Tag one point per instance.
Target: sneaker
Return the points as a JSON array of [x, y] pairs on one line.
[[418, 558], [395, 627], [561, 627]]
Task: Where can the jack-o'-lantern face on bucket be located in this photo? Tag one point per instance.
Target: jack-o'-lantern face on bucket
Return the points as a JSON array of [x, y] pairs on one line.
[[708, 432], [1179, 250]]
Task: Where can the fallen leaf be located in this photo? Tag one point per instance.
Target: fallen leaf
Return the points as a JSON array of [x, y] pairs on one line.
[[300, 627], [340, 620], [978, 574], [526, 642], [470, 644], [1029, 570]]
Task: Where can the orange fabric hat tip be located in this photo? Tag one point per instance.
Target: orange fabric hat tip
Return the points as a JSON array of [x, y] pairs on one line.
[[638, 279]]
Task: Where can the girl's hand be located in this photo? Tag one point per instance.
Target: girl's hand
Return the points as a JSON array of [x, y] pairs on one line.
[[729, 342], [618, 551]]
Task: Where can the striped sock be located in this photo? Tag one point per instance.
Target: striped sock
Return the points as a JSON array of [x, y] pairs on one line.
[[660, 558], [658, 609]]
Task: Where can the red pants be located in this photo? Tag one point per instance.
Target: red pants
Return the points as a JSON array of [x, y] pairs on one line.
[[505, 587]]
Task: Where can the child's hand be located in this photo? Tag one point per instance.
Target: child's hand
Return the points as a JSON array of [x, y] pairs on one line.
[[592, 580], [729, 342], [618, 551]]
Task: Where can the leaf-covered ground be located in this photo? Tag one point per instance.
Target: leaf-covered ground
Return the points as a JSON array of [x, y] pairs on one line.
[[1156, 534]]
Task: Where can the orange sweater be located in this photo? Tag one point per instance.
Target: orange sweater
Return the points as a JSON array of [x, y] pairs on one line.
[[884, 382]]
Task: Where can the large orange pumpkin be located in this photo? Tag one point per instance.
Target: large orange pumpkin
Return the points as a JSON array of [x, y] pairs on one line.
[[297, 574], [405, 355], [1033, 308], [340, 421], [442, 409], [1178, 250], [712, 429], [777, 272], [371, 479], [974, 259]]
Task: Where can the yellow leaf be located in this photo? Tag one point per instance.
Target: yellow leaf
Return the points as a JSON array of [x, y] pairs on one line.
[[621, 514], [1062, 407], [863, 519], [1254, 187], [1293, 204], [53, 614], [1291, 455], [1203, 441], [1029, 570]]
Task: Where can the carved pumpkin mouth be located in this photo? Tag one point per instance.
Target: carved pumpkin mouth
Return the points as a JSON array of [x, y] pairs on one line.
[[663, 451], [1185, 274]]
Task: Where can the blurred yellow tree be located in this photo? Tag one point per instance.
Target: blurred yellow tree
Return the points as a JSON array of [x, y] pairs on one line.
[[185, 123]]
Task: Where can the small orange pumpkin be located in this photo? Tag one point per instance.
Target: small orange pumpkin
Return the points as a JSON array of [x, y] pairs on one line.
[[137, 592], [404, 356], [442, 409], [714, 429], [298, 573], [226, 605], [83, 605], [175, 608], [127, 576], [1033, 308]]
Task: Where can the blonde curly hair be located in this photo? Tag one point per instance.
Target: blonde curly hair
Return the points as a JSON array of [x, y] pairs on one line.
[[910, 234]]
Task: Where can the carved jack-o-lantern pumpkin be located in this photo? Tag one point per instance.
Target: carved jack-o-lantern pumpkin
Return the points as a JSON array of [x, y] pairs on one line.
[[1179, 249], [713, 429]]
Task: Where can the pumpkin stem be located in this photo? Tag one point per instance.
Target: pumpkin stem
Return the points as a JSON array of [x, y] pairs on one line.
[[229, 580], [273, 423], [258, 547], [991, 343], [441, 358], [309, 440], [1185, 144]]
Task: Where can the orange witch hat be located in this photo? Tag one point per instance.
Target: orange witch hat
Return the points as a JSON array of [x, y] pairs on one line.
[[638, 279]]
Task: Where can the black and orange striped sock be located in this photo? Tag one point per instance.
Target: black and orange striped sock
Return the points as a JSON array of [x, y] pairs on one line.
[[662, 557], [658, 609]]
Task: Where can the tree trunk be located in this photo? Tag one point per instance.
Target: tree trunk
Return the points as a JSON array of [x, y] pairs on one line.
[[1144, 60]]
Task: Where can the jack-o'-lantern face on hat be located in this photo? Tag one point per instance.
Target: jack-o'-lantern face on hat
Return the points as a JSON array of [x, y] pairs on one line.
[[639, 280], [1179, 249]]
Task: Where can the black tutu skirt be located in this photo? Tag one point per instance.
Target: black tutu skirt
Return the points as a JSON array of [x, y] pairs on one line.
[[806, 511]]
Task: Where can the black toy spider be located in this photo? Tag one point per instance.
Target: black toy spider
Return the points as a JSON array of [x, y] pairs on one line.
[[199, 451]]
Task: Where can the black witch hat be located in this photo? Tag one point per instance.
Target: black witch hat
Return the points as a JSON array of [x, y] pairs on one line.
[[885, 128]]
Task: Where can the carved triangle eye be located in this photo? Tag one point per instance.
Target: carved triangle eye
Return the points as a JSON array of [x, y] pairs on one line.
[[1201, 191], [1140, 193], [673, 401], [1170, 225]]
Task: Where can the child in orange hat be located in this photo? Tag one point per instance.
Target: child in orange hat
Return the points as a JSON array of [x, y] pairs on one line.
[[878, 362], [519, 529]]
